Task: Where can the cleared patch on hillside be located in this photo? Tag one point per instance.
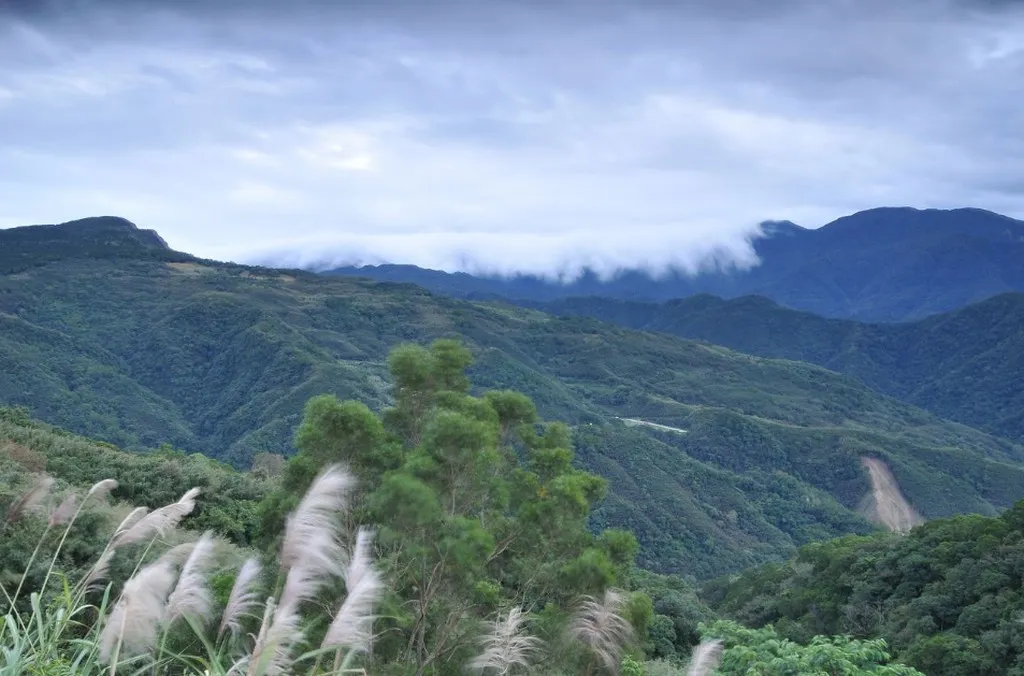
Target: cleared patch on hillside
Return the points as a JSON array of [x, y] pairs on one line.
[[192, 269], [886, 504]]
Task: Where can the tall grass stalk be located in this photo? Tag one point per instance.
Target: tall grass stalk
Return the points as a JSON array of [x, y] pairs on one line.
[[72, 636]]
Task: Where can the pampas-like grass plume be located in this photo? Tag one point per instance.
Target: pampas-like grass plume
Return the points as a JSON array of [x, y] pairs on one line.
[[506, 646], [309, 536], [64, 511], [101, 488], [312, 554], [100, 569], [706, 657], [133, 624], [191, 596], [272, 654], [242, 598], [30, 499], [160, 521], [353, 624], [311, 551], [600, 626]]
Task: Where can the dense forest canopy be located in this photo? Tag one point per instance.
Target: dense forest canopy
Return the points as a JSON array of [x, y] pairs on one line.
[[463, 518], [715, 460]]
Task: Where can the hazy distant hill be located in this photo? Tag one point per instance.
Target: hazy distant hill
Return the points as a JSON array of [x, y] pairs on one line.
[[107, 333], [886, 264], [965, 365]]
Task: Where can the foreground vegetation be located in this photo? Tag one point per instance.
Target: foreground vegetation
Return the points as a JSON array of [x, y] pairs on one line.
[[139, 346], [449, 532]]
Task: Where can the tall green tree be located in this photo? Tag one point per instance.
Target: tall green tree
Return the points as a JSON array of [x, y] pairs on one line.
[[478, 505]]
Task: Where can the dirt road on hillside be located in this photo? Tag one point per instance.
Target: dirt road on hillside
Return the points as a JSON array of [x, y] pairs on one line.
[[888, 507]]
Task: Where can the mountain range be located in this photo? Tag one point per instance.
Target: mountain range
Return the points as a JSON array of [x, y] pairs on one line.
[[884, 265], [963, 365], [716, 459]]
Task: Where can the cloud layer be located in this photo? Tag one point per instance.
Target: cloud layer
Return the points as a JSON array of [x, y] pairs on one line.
[[503, 134]]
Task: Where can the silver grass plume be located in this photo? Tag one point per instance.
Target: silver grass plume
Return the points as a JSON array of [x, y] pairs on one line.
[[312, 554], [135, 620], [160, 521], [314, 521], [311, 551], [100, 569], [101, 488], [192, 596], [242, 598], [30, 499], [353, 624], [706, 657], [272, 654], [506, 645], [65, 510], [600, 626], [129, 521]]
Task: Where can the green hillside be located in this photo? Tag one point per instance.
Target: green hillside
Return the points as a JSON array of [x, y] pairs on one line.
[[965, 365], [222, 358], [946, 598]]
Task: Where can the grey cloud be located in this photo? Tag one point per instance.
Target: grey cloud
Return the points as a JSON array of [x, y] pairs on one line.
[[510, 133]]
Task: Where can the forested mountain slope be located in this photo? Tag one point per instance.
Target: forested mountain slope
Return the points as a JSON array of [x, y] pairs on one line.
[[886, 264], [946, 598], [221, 359], [965, 365]]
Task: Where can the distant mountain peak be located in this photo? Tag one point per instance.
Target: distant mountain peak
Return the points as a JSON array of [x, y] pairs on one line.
[[781, 229], [93, 237], [113, 224]]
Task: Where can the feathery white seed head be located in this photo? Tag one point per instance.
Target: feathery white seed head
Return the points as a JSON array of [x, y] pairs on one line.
[[192, 596], [64, 511], [137, 616], [506, 645], [311, 552], [352, 627], [315, 521], [161, 521], [600, 626], [30, 499], [242, 599], [101, 488], [273, 653], [705, 658]]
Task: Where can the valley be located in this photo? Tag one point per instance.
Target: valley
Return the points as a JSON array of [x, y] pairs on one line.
[[732, 434]]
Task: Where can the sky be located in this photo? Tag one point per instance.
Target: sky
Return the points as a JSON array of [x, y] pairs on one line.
[[500, 135]]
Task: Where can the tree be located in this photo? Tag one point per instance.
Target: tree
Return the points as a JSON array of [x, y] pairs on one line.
[[478, 505], [763, 652]]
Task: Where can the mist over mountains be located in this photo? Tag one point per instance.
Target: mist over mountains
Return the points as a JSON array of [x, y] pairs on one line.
[[885, 264]]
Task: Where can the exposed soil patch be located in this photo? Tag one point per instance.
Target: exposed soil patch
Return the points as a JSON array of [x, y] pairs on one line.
[[194, 269], [886, 502]]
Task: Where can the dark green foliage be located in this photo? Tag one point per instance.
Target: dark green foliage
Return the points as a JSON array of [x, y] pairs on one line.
[[477, 507], [946, 598], [763, 652], [100, 237], [223, 359], [965, 365], [230, 498]]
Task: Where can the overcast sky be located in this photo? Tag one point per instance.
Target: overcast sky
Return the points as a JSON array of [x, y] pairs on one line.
[[509, 134]]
